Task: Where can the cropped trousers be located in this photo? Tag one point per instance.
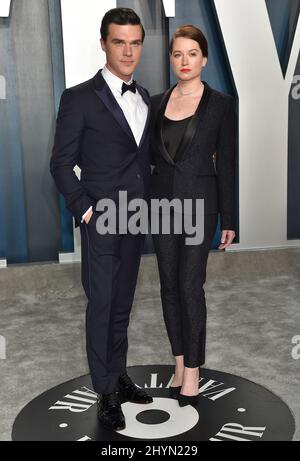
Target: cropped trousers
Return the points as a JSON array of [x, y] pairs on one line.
[[182, 272]]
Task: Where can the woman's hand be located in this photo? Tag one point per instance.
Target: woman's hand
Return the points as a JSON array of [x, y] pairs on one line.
[[226, 239]]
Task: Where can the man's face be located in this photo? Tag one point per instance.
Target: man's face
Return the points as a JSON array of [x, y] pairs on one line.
[[123, 49]]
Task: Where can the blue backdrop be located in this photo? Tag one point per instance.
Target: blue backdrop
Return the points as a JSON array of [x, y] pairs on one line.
[[35, 224]]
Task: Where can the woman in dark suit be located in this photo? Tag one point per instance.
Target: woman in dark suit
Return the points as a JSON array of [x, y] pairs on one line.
[[194, 134]]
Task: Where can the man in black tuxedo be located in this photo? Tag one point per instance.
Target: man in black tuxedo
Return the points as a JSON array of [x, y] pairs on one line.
[[103, 127]]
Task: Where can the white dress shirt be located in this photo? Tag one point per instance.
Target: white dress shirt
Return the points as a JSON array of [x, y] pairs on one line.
[[132, 104]]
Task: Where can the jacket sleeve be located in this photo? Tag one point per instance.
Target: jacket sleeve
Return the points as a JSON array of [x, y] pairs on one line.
[[226, 165], [66, 154]]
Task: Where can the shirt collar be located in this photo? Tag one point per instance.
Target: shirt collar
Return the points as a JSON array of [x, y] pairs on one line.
[[114, 82]]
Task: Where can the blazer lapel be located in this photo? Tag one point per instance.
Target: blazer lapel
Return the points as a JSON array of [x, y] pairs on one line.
[[159, 125], [192, 126], [103, 92]]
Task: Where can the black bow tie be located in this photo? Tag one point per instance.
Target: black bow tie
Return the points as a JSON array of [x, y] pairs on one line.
[[131, 87]]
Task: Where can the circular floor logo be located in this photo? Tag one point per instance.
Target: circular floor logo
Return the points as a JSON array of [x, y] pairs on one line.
[[230, 409]]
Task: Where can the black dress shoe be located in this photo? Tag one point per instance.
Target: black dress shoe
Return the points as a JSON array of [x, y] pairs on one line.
[[174, 392], [109, 411], [184, 400], [129, 392]]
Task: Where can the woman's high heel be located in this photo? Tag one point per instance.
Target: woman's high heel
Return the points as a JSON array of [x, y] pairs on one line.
[[184, 400], [174, 392]]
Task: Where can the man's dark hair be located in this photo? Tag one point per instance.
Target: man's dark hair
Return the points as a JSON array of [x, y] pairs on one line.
[[122, 17]]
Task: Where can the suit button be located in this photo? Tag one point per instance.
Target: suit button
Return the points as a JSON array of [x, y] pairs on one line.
[[138, 175]]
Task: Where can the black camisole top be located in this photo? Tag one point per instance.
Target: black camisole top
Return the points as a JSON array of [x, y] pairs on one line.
[[172, 132]]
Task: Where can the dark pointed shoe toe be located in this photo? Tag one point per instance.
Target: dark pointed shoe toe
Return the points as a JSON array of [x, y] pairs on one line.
[[140, 396], [174, 392], [184, 400], [114, 422], [129, 392], [109, 412], [118, 424]]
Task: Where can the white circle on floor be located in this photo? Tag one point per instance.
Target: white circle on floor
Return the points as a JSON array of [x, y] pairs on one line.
[[181, 420]]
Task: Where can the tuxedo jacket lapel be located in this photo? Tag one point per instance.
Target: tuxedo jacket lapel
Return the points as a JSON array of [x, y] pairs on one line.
[[146, 100], [104, 93], [143, 93]]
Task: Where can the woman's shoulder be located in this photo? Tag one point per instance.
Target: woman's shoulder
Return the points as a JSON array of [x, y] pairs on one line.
[[220, 97]]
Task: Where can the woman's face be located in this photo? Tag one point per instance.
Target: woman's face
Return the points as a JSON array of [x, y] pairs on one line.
[[187, 59]]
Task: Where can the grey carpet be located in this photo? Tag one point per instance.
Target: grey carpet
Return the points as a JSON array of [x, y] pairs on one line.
[[253, 313]]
